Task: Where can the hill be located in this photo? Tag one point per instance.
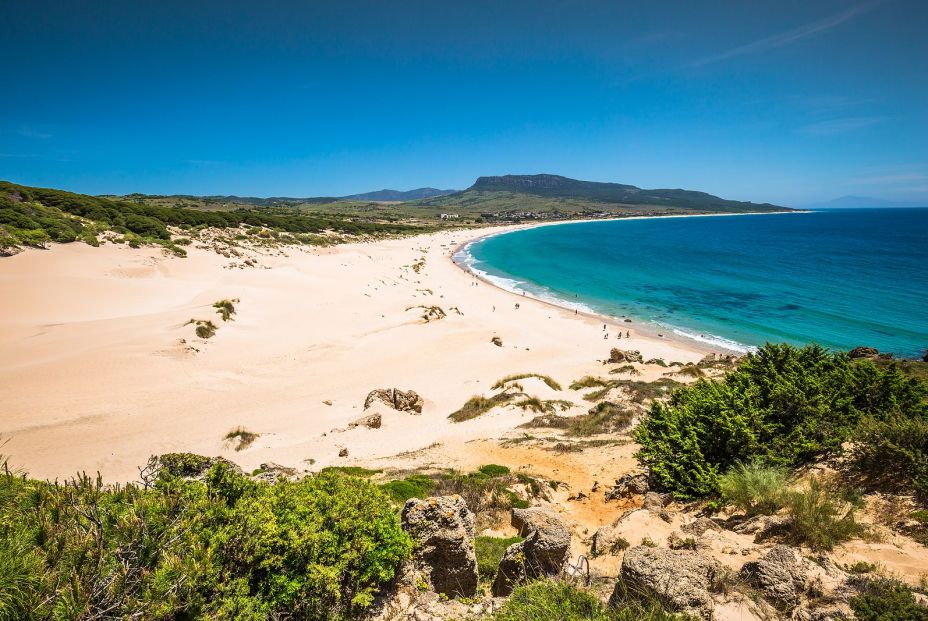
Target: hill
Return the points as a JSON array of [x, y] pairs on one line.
[[556, 196], [399, 195]]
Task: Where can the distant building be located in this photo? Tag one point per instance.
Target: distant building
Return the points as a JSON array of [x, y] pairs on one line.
[[449, 216]]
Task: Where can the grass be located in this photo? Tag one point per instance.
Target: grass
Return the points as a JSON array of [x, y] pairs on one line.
[[821, 517], [493, 470], [548, 421], [354, 471], [241, 438], [553, 385], [625, 368], [205, 329], [755, 488], [556, 600], [489, 552], [539, 406], [604, 417], [478, 405], [225, 308]]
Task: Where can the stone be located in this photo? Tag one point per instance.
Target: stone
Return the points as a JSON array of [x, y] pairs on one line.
[[403, 401], [864, 352], [681, 579], [629, 484], [699, 526], [763, 527], [442, 530], [653, 502], [607, 540], [272, 473], [343, 452], [780, 576], [371, 421], [543, 553], [617, 355], [497, 341]]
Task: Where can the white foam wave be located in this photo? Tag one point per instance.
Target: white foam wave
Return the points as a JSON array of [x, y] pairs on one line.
[[715, 341]]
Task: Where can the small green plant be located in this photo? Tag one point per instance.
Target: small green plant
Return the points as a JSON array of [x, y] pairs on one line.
[[861, 567], [205, 329], [755, 488], [241, 438], [554, 600], [413, 486], [225, 308], [352, 471], [821, 517], [648, 542], [493, 470]]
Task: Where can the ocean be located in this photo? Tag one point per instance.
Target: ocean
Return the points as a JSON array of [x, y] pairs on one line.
[[840, 278]]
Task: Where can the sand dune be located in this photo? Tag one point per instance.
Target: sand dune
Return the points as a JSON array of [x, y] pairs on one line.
[[100, 368]]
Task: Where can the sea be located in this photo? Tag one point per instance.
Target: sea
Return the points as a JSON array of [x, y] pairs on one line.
[[839, 278]]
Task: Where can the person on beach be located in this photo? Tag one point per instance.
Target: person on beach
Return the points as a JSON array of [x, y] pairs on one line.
[[628, 334]]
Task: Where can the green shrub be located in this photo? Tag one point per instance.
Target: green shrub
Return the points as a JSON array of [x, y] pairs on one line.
[[493, 470], [489, 552], [892, 454], [755, 488], [225, 308], [782, 405], [184, 464], [861, 567], [559, 601], [887, 600], [414, 486], [821, 517], [352, 471]]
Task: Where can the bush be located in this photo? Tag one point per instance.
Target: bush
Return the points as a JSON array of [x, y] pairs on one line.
[[755, 488], [493, 470], [887, 600], [892, 454], [555, 600], [821, 517], [782, 405], [415, 486]]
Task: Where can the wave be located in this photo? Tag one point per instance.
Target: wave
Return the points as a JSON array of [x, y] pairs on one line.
[[715, 341]]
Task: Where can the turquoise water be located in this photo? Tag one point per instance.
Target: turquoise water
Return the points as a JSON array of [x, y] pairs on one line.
[[838, 278]]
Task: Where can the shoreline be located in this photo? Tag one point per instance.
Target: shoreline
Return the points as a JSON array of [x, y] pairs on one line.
[[642, 326]]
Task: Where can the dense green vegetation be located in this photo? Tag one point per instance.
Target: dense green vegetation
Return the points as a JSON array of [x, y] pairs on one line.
[[887, 600], [782, 405], [224, 548], [550, 599], [33, 216]]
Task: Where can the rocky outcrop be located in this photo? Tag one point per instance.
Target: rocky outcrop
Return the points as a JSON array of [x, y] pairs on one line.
[[699, 526], [404, 401], [653, 502], [371, 421], [543, 553], [780, 576], [681, 579], [442, 530], [628, 485], [272, 473], [868, 352], [617, 355]]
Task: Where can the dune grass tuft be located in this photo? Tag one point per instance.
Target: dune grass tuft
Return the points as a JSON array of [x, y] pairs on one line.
[[241, 438], [553, 385], [478, 404], [225, 308]]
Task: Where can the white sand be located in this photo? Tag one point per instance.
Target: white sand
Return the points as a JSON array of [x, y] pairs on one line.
[[93, 375]]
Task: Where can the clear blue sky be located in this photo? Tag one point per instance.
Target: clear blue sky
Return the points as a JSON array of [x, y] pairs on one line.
[[784, 101]]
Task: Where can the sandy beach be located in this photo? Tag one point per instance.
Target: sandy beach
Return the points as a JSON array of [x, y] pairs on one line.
[[100, 368]]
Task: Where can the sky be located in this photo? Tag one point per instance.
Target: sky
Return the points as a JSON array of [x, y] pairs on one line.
[[781, 101]]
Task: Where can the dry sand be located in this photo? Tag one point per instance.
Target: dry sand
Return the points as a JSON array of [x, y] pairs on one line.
[[99, 370]]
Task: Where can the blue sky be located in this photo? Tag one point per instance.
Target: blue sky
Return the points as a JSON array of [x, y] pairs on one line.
[[782, 101]]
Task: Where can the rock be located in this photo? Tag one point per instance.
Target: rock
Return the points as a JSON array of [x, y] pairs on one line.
[[699, 526], [542, 554], [617, 355], [371, 421], [497, 341], [864, 352], [653, 502], [679, 541], [343, 452], [763, 527], [442, 529], [925, 357], [629, 485], [607, 540], [272, 473], [404, 401], [681, 579], [780, 576]]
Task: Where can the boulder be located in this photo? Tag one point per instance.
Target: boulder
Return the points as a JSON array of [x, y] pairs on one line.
[[653, 502], [629, 484], [404, 401], [681, 579], [272, 473], [543, 553], [617, 355], [442, 530], [864, 352], [497, 341], [780, 576]]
